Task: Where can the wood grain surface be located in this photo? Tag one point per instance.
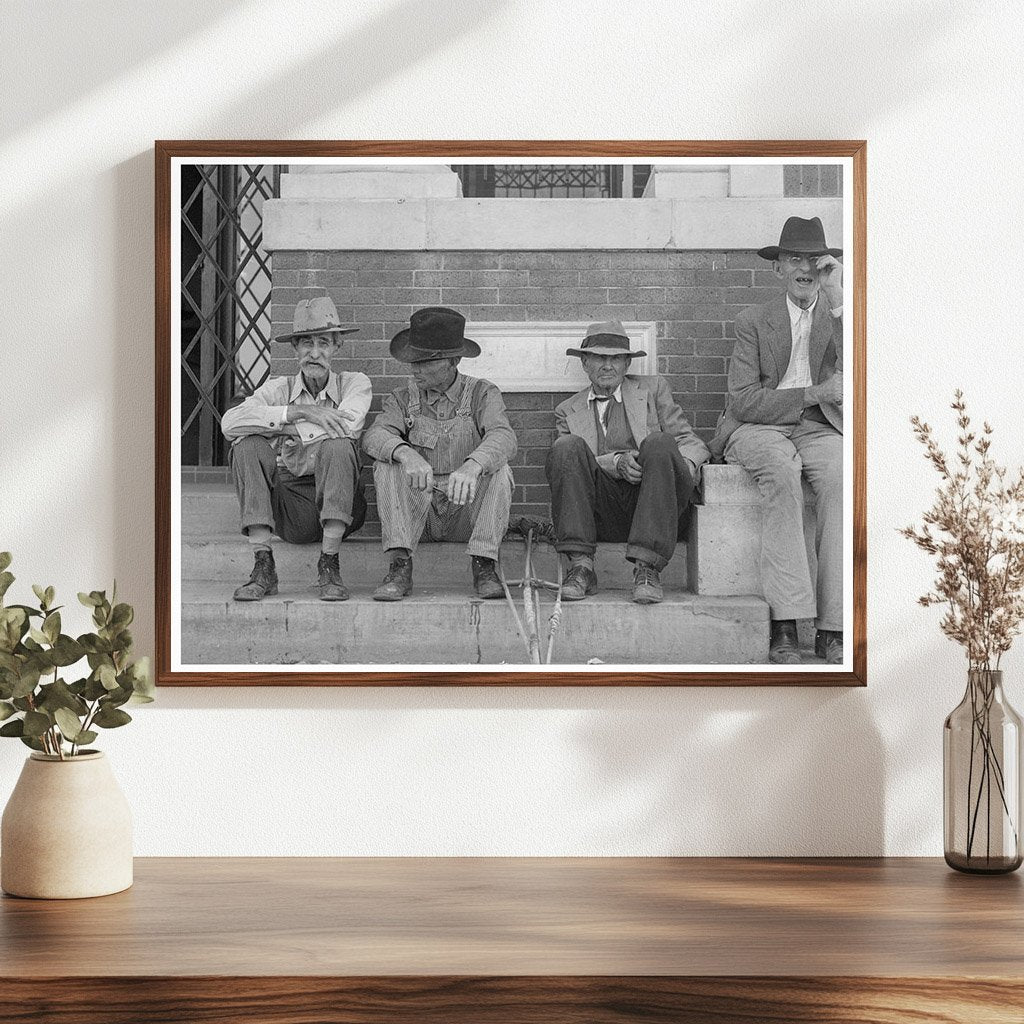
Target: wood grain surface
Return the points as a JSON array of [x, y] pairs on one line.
[[562, 940]]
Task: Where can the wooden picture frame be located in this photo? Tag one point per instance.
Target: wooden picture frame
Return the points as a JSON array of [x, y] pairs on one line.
[[686, 206]]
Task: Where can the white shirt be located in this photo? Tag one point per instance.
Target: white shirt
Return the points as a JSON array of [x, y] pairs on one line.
[[603, 407], [265, 412], [798, 373]]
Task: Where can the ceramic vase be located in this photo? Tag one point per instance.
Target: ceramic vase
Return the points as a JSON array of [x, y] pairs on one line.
[[66, 831]]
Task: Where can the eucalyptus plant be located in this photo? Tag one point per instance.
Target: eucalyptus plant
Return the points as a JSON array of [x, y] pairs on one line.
[[46, 712]]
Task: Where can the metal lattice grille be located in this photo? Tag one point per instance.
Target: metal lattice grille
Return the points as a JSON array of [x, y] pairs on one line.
[[225, 298], [547, 181]]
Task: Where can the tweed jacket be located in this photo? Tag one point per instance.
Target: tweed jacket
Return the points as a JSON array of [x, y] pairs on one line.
[[764, 342], [649, 407]]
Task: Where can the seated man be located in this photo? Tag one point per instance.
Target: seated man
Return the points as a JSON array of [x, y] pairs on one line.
[[623, 467], [294, 454], [441, 447], [785, 419]]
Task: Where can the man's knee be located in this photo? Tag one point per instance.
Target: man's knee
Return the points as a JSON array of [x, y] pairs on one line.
[[780, 479], [567, 448], [334, 449], [253, 448], [657, 445]]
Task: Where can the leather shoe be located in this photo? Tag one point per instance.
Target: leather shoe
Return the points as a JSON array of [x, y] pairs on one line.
[[398, 581], [828, 644], [263, 580], [329, 582], [647, 587], [485, 578], [579, 582], [784, 648]]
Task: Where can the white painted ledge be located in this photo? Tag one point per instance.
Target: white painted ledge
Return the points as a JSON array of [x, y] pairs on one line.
[[530, 357], [524, 224]]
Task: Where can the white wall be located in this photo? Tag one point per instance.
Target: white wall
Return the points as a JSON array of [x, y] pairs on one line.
[[936, 88]]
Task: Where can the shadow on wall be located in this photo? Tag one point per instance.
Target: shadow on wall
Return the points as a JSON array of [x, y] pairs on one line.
[[679, 777]]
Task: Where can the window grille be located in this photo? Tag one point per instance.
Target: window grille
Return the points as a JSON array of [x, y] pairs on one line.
[[225, 298], [551, 181]]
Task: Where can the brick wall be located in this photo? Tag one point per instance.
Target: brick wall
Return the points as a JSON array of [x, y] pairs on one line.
[[692, 296]]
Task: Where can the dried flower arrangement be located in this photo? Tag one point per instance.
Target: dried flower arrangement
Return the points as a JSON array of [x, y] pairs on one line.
[[975, 528]]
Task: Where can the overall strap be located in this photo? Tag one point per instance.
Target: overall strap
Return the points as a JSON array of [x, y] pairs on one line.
[[469, 390], [414, 402]]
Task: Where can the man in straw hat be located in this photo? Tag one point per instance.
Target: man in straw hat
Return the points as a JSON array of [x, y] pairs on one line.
[[441, 447], [622, 468], [294, 454], [784, 421]]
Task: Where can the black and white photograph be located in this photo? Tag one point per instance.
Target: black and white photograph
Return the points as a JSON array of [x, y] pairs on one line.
[[447, 414]]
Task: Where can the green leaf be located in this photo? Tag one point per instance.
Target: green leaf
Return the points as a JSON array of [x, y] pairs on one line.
[[122, 616], [67, 651], [58, 695], [86, 736], [39, 636], [40, 593], [111, 718], [15, 728], [51, 626], [89, 600], [69, 724], [6, 579], [5, 560], [107, 676], [10, 663], [31, 741], [27, 681], [50, 595], [94, 689], [36, 723], [142, 682], [6, 710], [94, 645]]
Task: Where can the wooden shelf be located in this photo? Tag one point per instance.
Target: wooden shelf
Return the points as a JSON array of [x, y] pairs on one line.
[[572, 941]]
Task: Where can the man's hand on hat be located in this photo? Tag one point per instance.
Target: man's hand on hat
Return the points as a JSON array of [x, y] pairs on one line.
[[334, 421], [418, 474], [629, 467], [830, 279], [462, 483]]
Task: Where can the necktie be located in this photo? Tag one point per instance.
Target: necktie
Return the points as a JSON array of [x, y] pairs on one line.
[[603, 405]]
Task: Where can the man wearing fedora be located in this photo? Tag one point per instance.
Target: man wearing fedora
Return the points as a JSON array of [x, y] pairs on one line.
[[441, 447], [294, 454], [784, 422], [623, 467]]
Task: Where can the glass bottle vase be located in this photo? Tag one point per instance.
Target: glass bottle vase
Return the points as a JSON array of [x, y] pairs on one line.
[[981, 774]]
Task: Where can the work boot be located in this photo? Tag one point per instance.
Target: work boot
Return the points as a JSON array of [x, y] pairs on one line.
[[580, 581], [828, 644], [647, 587], [398, 581], [485, 578], [330, 584], [263, 580], [783, 647]]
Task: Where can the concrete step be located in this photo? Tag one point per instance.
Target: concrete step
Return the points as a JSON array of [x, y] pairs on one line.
[[228, 558], [445, 626]]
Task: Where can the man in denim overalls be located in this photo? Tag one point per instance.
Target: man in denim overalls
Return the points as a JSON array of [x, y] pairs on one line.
[[441, 448]]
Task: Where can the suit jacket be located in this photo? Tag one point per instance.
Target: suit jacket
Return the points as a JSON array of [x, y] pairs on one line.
[[764, 342], [649, 407]]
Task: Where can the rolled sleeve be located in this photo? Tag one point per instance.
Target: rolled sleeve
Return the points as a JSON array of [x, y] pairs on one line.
[[387, 431], [263, 412]]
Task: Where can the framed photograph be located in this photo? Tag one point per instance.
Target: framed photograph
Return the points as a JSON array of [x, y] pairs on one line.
[[492, 413]]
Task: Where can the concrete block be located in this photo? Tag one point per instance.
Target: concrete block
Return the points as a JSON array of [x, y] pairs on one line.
[[755, 180], [339, 181], [682, 181], [437, 627]]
